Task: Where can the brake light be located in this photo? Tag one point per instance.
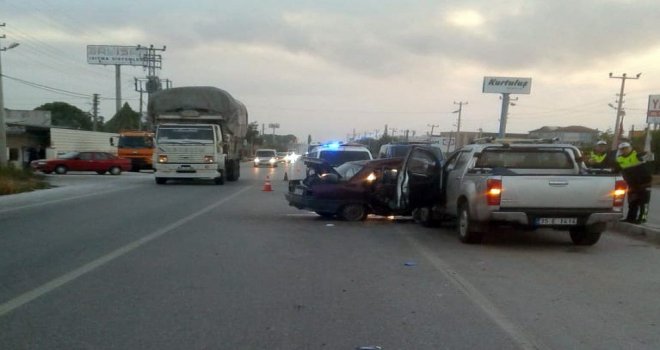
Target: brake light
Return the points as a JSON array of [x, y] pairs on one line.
[[493, 191], [619, 193]]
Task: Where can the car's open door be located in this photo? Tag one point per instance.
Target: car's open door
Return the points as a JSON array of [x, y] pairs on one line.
[[419, 183]]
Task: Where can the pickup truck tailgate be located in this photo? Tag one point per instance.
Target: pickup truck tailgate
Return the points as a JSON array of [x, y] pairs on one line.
[[557, 192]]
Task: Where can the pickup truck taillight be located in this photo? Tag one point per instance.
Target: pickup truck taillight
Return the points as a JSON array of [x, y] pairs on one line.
[[619, 194], [493, 191]]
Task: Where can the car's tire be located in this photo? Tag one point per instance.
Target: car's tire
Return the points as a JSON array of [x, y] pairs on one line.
[[587, 235], [326, 214], [465, 226], [161, 180], [61, 169], [115, 170], [100, 172], [354, 212]]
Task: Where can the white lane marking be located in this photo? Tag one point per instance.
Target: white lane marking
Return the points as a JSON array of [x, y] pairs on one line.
[[518, 336], [2, 211], [47, 287]]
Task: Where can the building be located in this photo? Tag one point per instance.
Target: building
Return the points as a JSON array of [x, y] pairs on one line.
[[575, 135], [30, 136]]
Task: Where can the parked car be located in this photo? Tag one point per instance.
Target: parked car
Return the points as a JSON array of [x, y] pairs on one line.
[[100, 162], [351, 191], [266, 157]]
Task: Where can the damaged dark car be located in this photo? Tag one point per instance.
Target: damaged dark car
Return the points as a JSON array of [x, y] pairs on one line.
[[350, 191]]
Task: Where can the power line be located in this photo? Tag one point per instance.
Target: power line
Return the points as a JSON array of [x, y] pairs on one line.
[[58, 90]]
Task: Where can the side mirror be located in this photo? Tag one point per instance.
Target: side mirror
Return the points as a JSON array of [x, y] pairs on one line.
[[112, 141], [330, 178]]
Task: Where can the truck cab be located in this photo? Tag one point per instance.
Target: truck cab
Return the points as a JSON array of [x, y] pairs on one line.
[[136, 145]]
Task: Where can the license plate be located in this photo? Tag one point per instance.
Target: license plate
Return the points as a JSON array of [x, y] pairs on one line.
[[556, 221], [298, 190]]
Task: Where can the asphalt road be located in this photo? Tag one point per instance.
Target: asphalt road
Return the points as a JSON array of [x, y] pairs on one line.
[[118, 262]]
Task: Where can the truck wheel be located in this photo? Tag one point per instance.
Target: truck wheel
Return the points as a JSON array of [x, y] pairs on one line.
[[465, 227], [587, 235], [114, 170], [60, 169], [161, 180], [354, 212]]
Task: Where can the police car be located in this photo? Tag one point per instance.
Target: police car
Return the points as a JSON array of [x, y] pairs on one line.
[[338, 153]]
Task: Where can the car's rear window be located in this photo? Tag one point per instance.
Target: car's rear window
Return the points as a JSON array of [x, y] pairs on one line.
[[524, 159], [340, 157]]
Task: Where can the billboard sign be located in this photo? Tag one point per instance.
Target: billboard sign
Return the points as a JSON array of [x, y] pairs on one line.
[[653, 111], [506, 85], [112, 55]]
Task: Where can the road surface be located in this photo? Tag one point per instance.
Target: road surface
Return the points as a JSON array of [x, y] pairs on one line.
[[118, 262]]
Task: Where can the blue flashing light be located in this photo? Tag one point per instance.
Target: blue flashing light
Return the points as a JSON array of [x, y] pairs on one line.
[[334, 145]]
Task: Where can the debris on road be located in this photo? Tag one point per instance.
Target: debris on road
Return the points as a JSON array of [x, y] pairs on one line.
[[410, 263]]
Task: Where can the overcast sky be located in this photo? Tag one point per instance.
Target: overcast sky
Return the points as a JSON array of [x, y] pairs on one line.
[[327, 67]]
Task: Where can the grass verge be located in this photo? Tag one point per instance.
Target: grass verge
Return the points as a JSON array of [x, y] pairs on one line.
[[14, 180]]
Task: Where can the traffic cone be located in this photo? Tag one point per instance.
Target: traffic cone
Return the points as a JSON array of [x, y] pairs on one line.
[[267, 186], [286, 177]]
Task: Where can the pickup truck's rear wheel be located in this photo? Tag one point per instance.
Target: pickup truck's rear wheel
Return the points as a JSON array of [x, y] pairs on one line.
[[464, 226], [354, 212], [587, 235]]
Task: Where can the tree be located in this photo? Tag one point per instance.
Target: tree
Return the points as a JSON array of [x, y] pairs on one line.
[[252, 135], [125, 119], [66, 115]]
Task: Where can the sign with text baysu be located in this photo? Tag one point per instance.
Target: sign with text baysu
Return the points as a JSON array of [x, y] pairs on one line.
[[653, 111], [111, 55], [506, 85]]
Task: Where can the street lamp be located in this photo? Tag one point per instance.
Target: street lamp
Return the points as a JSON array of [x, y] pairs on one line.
[[3, 127]]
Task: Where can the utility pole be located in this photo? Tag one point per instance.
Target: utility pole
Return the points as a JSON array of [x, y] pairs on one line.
[[95, 111], [619, 110], [4, 159], [152, 61], [139, 87], [458, 124], [432, 126]]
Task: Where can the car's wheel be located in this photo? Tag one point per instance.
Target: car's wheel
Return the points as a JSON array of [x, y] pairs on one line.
[[61, 169], [354, 212], [161, 180], [587, 235], [100, 172], [464, 226], [219, 180], [114, 170], [325, 214]]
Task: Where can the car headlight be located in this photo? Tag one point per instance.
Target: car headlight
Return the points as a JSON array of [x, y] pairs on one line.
[[162, 158], [209, 159], [256, 160], [371, 177], [272, 160]]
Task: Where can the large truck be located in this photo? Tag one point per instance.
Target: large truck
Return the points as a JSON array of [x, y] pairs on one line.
[[136, 145], [200, 131]]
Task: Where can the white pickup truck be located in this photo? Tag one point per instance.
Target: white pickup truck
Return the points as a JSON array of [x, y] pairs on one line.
[[531, 185]]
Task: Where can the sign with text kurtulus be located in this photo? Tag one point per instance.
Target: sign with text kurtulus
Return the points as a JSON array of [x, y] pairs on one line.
[[653, 111], [506, 85], [111, 55]]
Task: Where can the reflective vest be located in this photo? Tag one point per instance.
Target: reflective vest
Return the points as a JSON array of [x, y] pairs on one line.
[[628, 161], [597, 158]]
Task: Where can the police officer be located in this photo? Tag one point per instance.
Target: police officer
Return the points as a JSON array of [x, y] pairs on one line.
[[638, 178], [600, 157]]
